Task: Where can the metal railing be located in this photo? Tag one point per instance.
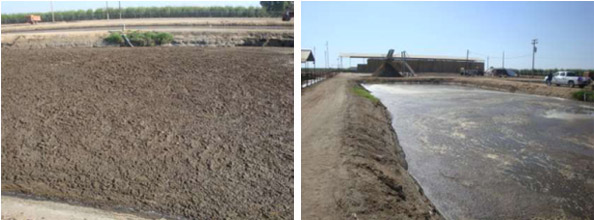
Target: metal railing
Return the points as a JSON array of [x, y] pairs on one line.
[[310, 77]]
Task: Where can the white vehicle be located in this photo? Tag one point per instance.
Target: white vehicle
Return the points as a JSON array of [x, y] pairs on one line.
[[568, 78]]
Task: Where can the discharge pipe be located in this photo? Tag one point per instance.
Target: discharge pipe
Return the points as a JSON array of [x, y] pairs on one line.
[[127, 40]]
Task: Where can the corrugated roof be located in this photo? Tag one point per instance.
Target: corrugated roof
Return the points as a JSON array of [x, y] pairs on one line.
[[428, 57], [307, 56]]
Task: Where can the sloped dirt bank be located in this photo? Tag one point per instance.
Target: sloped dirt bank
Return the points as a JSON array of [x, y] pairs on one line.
[[196, 133], [201, 38], [380, 186], [352, 165]]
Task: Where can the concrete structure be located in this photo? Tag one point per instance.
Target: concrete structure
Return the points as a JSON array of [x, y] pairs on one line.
[[420, 64]]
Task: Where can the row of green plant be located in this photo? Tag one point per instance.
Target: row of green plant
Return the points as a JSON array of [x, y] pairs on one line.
[[584, 95], [141, 39], [543, 72], [360, 91], [268, 8]]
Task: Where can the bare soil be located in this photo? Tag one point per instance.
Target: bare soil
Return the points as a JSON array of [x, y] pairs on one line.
[[183, 132], [352, 164]]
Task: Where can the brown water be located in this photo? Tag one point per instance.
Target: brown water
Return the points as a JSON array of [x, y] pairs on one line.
[[482, 154]]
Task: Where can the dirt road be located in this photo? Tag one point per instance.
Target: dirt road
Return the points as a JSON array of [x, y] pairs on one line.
[[323, 110], [352, 167], [184, 132], [185, 22], [16, 208], [155, 28]]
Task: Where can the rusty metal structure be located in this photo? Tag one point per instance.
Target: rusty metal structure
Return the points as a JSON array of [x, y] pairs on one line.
[[33, 19], [392, 67]]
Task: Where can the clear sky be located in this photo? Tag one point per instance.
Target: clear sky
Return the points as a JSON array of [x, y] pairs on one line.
[[10, 7], [565, 31]]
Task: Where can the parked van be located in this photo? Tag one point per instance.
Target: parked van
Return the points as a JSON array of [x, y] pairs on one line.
[[501, 72]]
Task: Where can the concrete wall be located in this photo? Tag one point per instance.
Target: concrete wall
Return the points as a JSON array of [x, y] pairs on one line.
[[427, 66], [362, 68]]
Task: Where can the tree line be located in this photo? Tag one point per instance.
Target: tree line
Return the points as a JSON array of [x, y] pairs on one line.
[[151, 12], [543, 72]]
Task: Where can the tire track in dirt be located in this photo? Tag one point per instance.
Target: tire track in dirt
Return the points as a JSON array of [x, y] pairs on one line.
[[323, 110]]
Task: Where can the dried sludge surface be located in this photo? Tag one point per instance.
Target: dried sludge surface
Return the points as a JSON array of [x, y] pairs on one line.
[[189, 133]]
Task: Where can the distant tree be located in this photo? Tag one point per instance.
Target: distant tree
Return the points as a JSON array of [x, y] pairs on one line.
[[146, 12], [276, 8]]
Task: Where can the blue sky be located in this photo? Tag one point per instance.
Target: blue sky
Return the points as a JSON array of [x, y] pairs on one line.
[[565, 30], [9, 7]]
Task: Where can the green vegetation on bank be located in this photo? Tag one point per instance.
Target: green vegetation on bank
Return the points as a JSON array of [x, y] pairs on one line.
[[141, 12], [584, 95], [360, 91], [150, 38], [115, 38]]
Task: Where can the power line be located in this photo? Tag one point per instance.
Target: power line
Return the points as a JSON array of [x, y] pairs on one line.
[[473, 52], [486, 55], [527, 55]]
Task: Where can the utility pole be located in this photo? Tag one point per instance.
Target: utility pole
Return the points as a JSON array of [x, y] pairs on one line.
[[52, 8], [402, 55], [466, 66], [487, 67], [503, 60], [107, 9], [314, 54], [327, 56], [325, 59], [120, 8], [534, 42]]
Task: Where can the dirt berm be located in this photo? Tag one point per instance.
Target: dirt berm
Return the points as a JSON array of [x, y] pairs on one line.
[[352, 164], [182, 132], [201, 38]]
